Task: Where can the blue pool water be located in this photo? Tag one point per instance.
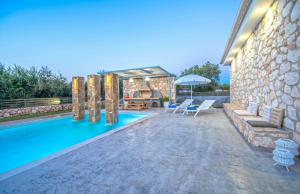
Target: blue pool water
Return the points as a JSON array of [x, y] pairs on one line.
[[23, 143]]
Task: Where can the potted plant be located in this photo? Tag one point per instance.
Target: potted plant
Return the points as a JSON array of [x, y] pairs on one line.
[[166, 101]]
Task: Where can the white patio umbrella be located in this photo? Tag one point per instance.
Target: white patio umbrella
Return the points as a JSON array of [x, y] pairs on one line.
[[192, 80]]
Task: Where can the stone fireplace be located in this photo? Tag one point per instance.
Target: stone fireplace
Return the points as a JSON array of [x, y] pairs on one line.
[[157, 87]]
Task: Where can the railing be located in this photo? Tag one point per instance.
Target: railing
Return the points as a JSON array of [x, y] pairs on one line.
[[221, 93], [32, 102]]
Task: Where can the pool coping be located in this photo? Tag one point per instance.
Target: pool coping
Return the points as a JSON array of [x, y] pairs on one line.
[[38, 162], [34, 119], [55, 116]]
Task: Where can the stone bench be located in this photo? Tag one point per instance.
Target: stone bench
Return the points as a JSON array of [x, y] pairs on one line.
[[257, 136]]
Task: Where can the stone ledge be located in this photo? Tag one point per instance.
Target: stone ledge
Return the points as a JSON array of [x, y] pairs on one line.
[[256, 136], [33, 110]]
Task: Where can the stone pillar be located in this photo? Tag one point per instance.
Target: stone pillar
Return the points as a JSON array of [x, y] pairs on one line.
[[172, 89], [111, 82], [94, 97], [78, 98]]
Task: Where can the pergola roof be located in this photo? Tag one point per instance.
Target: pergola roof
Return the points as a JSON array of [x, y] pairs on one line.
[[155, 71]]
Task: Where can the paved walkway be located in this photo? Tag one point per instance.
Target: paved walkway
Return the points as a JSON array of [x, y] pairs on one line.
[[166, 154]]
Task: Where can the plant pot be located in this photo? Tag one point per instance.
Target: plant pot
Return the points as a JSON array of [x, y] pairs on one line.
[[166, 104]]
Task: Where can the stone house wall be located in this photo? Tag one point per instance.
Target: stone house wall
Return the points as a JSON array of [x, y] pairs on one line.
[[32, 110], [267, 69], [166, 86]]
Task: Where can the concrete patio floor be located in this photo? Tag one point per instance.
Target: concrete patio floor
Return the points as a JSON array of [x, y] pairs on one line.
[[165, 154]]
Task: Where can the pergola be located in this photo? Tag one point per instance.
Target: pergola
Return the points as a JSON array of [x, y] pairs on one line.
[[145, 84], [143, 72]]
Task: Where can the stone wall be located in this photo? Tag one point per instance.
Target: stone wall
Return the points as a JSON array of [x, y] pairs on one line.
[[267, 68], [33, 110], [166, 86]]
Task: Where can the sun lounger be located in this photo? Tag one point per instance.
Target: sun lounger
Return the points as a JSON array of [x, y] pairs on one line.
[[205, 105], [182, 106]]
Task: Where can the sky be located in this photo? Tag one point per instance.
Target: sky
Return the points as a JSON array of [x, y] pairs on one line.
[[81, 37]]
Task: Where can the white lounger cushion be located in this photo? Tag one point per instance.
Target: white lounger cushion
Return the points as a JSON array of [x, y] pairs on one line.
[[251, 110], [253, 118], [267, 113], [244, 113]]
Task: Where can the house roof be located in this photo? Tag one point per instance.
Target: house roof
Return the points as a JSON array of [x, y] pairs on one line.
[[154, 71], [249, 16]]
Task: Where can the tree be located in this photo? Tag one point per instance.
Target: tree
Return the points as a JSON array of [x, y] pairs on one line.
[[208, 70], [19, 82]]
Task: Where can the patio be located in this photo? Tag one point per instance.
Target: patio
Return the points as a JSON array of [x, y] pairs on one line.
[[166, 154]]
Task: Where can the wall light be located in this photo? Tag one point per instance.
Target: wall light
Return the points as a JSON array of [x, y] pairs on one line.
[[130, 80], [229, 59], [236, 50], [244, 36], [259, 11], [55, 101], [147, 78]]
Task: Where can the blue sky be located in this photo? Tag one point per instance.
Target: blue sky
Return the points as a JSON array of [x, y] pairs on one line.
[[80, 37]]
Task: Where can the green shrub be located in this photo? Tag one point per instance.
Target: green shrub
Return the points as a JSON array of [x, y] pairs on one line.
[[225, 87], [166, 99], [20, 82]]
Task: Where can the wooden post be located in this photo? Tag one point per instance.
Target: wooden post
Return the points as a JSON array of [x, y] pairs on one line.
[[78, 98], [94, 98], [111, 82]]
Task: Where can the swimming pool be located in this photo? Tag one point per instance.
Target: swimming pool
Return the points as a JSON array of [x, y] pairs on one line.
[[21, 144]]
